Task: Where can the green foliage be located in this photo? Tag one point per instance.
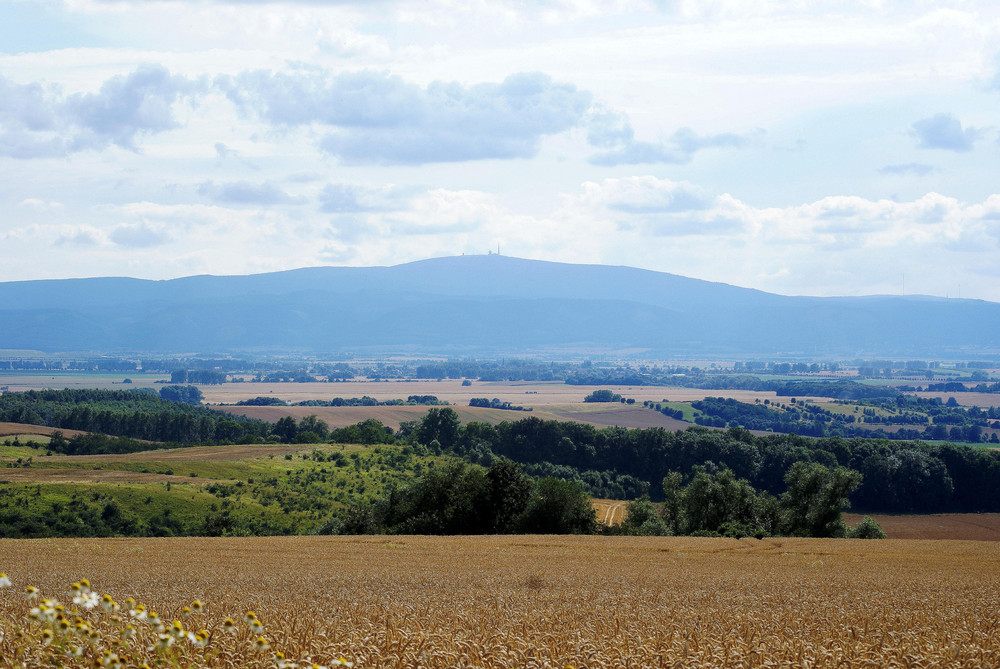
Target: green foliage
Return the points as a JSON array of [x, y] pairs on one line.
[[186, 394], [866, 529], [127, 413], [603, 396], [642, 519], [462, 499], [816, 495]]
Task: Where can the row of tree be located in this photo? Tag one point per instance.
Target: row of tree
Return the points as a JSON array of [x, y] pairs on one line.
[[899, 476]]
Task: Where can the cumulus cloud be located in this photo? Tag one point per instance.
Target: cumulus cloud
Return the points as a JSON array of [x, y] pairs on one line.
[[377, 118], [246, 192], [677, 149], [657, 206], [944, 131], [38, 122]]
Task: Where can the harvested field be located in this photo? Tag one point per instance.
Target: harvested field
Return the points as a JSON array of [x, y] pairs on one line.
[[538, 395], [966, 526], [609, 511], [982, 400], [616, 415], [594, 414], [7, 429], [539, 601], [391, 416]]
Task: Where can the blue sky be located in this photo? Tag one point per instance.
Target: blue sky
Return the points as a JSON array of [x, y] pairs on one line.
[[817, 148]]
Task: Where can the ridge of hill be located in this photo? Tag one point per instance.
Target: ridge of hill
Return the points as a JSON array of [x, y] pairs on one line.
[[477, 305]]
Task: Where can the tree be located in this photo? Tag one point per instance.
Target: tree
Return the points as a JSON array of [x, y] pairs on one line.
[[558, 507], [816, 495], [642, 519], [719, 502], [186, 394], [313, 424], [866, 529], [510, 491], [441, 425], [285, 429]]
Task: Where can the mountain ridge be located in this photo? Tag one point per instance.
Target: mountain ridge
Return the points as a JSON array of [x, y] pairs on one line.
[[480, 305]]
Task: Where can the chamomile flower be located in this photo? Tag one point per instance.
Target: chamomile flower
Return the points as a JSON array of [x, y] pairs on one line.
[[249, 616], [229, 625], [177, 629], [74, 651], [31, 593], [64, 626], [4, 581], [197, 606], [260, 643], [108, 604], [343, 663], [139, 612], [199, 639], [47, 636], [256, 626], [87, 600], [84, 585], [128, 632], [279, 660], [186, 611], [164, 641]]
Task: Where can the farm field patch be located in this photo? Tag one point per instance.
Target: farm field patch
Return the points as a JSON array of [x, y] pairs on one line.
[[534, 601], [966, 526]]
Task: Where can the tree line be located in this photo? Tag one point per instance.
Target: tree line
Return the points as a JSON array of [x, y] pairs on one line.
[[898, 476]]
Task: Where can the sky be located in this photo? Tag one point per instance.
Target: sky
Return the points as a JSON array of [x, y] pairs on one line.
[[807, 147]]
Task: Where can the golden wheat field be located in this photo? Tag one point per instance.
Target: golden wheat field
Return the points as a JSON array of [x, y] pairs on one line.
[[506, 602]]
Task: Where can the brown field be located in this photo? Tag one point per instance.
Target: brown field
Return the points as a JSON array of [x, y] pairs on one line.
[[609, 511], [8, 429], [191, 453], [982, 400], [969, 526], [537, 395], [600, 415], [538, 601]]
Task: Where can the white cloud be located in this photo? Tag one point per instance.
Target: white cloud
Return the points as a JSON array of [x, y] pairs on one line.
[[377, 118], [36, 122]]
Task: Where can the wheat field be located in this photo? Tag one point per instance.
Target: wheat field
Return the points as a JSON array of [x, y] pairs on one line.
[[511, 602]]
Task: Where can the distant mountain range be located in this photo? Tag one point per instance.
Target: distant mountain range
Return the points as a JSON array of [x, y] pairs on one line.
[[482, 305]]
